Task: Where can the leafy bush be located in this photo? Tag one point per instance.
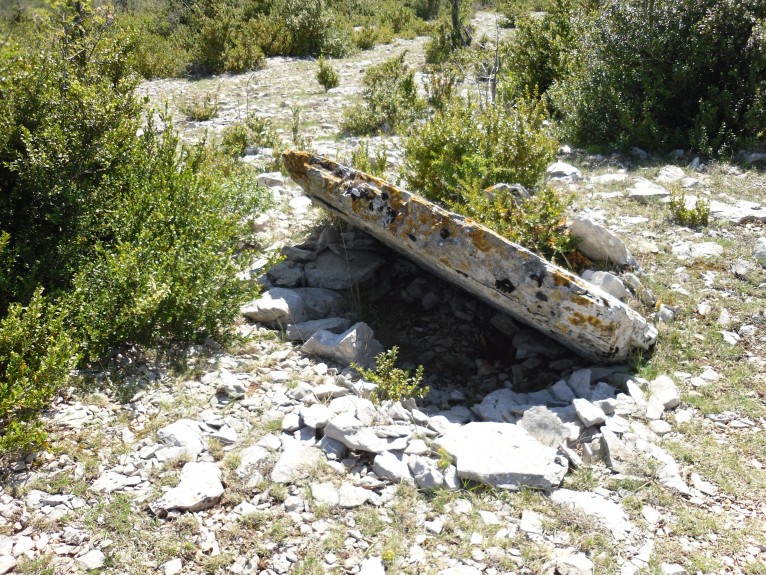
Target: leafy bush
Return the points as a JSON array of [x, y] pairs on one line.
[[326, 75], [465, 148], [254, 131], [542, 48], [441, 85], [200, 108], [669, 74], [36, 354], [389, 99], [518, 10], [393, 383], [369, 162], [468, 146], [695, 217], [134, 238]]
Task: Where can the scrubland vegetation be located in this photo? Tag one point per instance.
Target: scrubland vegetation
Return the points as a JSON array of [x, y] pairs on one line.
[[113, 232]]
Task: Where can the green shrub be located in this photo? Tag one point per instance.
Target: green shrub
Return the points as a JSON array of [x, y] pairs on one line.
[[695, 217], [465, 148], [517, 10], [253, 131], [389, 99], [200, 108], [374, 163], [392, 383], [441, 85], [541, 51], [669, 74], [36, 354], [439, 47], [326, 75], [170, 271]]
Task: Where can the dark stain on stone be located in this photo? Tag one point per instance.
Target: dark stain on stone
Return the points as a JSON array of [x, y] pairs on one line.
[[444, 233], [384, 196], [541, 296], [538, 277], [505, 286], [412, 238]]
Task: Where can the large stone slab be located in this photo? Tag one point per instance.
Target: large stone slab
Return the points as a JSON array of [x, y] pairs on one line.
[[503, 455], [504, 274]]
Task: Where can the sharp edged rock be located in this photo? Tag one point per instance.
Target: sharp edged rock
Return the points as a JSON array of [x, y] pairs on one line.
[[503, 455]]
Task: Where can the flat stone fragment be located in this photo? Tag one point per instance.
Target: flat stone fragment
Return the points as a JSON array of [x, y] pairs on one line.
[[92, 560], [741, 212], [503, 455], [296, 462], [7, 564], [691, 251], [589, 413], [386, 465], [645, 191], [372, 566], [304, 330], [609, 514], [597, 242], [355, 345], [503, 274], [200, 488], [545, 426], [665, 391], [461, 570]]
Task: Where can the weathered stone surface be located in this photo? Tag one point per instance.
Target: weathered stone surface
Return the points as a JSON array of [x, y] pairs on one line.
[[503, 455], [597, 242], [741, 212], [357, 344], [200, 488], [610, 283], [336, 272], [92, 560], [665, 391], [389, 466], [296, 305], [304, 330], [609, 514], [645, 191], [296, 462], [7, 563], [503, 274]]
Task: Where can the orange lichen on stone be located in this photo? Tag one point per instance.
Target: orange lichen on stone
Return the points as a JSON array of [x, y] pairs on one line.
[[480, 238]]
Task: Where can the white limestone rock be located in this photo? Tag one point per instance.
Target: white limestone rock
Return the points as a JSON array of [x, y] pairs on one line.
[[503, 455], [388, 465], [589, 413], [200, 488], [184, 433], [645, 191], [609, 514], [597, 242], [355, 345], [608, 282], [665, 391], [296, 462], [304, 330]]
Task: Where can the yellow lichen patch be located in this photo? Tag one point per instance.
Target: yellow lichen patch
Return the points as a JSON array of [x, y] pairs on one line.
[[580, 300], [578, 320], [560, 280], [481, 239]]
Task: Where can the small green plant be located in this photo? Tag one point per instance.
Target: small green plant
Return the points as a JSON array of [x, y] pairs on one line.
[[327, 76], [254, 131], [695, 217], [371, 163], [389, 100], [200, 108], [36, 354], [392, 383]]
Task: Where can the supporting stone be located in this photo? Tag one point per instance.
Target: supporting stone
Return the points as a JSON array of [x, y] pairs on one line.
[[504, 274]]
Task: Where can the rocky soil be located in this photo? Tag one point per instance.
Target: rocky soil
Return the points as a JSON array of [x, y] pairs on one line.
[[269, 456]]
